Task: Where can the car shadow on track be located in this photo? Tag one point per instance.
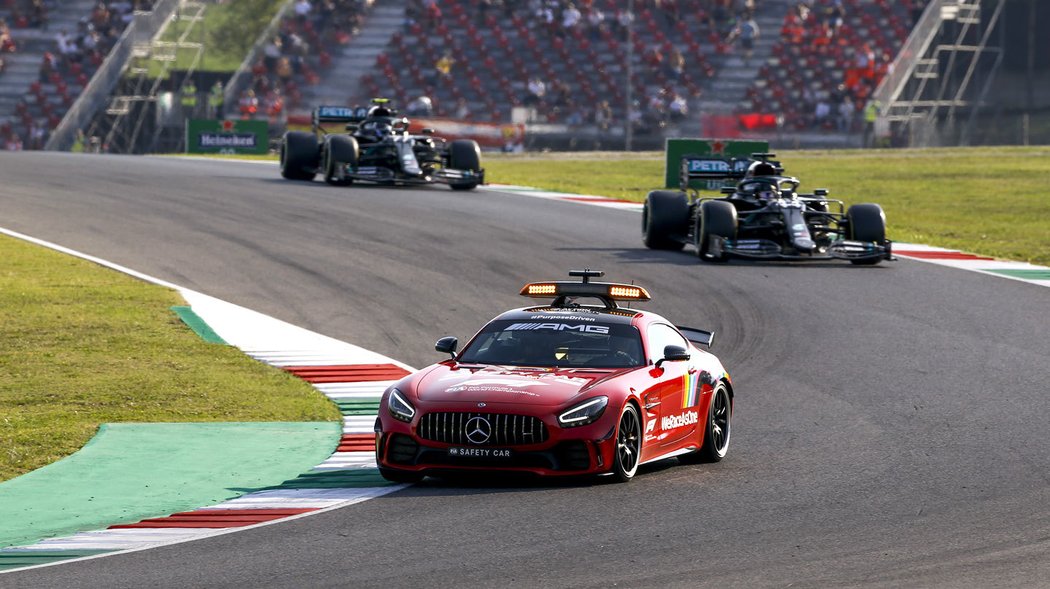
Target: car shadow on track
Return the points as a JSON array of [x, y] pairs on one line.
[[501, 482], [687, 258]]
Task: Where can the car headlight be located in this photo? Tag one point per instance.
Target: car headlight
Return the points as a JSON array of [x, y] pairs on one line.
[[583, 413], [399, 406]]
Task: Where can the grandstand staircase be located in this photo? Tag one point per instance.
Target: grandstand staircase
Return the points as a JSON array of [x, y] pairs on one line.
[[23, 67], [727, 90], [943, 74], [355, 60]]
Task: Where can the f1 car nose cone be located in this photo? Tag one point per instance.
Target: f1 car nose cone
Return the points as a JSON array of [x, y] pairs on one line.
[[805, 244]]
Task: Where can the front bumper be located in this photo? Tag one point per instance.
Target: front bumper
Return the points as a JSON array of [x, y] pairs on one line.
[[586, 450]]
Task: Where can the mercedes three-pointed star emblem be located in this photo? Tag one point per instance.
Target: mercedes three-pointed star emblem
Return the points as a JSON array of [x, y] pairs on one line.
[[478, 430]]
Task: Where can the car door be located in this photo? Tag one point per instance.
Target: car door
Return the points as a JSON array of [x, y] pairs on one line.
[[672, 397]]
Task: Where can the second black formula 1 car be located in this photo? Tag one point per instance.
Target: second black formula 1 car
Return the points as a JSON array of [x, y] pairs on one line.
[[377, 147], [763, 216]]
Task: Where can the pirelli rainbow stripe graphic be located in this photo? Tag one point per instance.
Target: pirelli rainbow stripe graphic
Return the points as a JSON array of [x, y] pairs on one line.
[[692, 386], [690, 390]]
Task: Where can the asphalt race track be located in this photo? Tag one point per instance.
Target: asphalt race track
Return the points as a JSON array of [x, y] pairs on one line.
[[890, 424]]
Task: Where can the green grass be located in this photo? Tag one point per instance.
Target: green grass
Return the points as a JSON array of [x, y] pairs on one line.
[[990, 201], [81, 345]]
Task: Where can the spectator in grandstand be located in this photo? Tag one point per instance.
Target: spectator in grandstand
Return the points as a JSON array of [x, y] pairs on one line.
[[7, 43], [462, 109], [421, 106], [444, 65], [678, 108], [835, 16], [536, 91], [846, 113], [746, 31], [624, 18], [38, 15], [66, 45], [248, 104], [603, 116], [570, 17], [302, 10], [822, 112], [675, 65], [596, 22], [271, 53]]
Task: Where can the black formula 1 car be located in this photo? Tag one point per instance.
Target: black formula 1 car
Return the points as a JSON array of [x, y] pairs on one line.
[[763, 216], [377, 147]]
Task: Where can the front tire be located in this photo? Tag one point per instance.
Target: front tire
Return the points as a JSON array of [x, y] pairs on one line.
[[339, 151], [628, 445], [867, 223], [299, 155], [665, 220], [717, 219], [717, 429], [465, 154]]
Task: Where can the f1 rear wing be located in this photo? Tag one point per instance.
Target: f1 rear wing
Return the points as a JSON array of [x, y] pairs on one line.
[[338, 114], [697, 167], [700, 337]]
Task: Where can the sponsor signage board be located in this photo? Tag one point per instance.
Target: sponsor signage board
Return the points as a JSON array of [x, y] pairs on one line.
[[228, 136]]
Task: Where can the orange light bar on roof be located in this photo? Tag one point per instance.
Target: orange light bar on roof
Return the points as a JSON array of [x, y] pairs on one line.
[[540, 289], [622, 292]]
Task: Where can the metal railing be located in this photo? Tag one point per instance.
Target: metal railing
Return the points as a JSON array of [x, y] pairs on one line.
[[922, 34], [95, 95]]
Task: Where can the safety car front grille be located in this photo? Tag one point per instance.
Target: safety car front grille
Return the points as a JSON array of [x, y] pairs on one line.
[[502, 429]]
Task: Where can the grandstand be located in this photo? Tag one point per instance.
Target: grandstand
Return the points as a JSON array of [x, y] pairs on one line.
[[803, 70]]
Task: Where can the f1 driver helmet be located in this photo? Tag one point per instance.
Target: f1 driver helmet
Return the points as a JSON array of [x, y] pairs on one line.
[[761, 169], [379, 110]]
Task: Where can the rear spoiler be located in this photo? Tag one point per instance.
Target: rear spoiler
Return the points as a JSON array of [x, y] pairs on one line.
[[700, 337], [698, 167], [339, 114]]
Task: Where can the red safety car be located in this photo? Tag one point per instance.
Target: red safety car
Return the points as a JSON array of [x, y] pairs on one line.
[[564, 388]]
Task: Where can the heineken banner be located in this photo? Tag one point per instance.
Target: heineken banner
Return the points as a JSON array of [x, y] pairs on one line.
[[229, 136], [676, 148]]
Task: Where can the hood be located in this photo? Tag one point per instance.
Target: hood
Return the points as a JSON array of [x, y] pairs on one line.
[[505, 384]]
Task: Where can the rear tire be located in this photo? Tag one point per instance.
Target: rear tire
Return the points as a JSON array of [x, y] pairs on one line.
[[465, 154], [628, 445], [299, 155], [665, 220], [717, 429], [867, 223], [717, 219], [339, 150]]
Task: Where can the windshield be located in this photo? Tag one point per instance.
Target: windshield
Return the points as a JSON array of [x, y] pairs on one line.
[[558, 343]]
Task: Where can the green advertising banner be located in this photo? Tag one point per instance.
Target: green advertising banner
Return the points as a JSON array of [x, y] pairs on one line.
[[677, 148], [229, 136]]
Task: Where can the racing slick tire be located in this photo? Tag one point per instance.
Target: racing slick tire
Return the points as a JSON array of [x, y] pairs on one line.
[[338, 150], [628, 449], [717, 428], [717, 219], [665, 220], [299, 155], [867, 223], [400, 476], [464, 154]]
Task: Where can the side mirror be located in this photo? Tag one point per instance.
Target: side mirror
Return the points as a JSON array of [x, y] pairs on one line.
[[820, 192], [447, 345], [673, 354], [728, 190], [427, 131]]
